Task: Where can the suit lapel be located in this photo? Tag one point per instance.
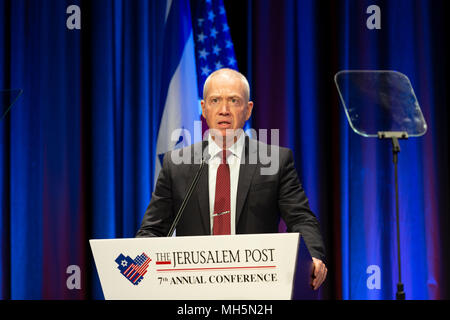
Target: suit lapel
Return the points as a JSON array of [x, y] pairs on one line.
[[203, 190], [246, 172]]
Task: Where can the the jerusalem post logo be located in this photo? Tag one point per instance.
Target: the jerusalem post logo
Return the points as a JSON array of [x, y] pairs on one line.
[[133, 270]]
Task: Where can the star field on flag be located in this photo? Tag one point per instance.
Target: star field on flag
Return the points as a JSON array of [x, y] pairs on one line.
[[213, 44]]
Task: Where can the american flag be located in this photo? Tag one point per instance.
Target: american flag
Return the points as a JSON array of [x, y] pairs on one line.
[[133, 270], [213, 45]]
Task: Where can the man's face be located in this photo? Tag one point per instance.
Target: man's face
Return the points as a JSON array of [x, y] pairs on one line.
[[225, 106]]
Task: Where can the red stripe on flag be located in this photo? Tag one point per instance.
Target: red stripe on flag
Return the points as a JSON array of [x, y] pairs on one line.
[[132, 271], [134, 275], [137, 278], [125, 273], [144, 266]]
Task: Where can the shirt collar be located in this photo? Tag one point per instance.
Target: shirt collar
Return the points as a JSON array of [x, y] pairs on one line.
[[235, 149]]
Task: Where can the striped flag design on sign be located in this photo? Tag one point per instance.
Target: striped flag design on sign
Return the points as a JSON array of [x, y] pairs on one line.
[[133, 270]]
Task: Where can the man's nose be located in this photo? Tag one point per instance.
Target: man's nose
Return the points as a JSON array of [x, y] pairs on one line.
[[224, 108]]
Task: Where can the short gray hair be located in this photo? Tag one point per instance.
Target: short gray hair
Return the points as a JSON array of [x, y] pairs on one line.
[[232, 73]]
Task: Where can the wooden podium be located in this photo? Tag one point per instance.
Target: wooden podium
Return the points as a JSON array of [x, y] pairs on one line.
[[238, 267]]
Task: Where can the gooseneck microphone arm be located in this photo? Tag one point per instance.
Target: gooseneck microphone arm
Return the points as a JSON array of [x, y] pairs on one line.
[[191, 189]]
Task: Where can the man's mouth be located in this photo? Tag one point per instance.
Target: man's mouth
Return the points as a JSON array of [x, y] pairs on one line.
[[224, 123]]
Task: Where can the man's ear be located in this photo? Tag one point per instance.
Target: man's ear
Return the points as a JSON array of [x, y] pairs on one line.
[[249, 110], [202, 103]]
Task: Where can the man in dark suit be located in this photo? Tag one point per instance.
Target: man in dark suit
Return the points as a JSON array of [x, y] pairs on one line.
[[246, 186]]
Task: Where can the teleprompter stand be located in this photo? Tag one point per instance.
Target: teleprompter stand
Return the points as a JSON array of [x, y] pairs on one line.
[[382, 104], [394, 136]]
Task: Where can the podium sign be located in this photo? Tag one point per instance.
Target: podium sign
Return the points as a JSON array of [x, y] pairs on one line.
[[253, 266]]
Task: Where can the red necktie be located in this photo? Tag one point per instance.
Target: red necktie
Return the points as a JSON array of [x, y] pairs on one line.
[[222, 213]]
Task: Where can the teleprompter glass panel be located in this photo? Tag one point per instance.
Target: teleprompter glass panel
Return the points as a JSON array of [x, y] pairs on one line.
[[380, 101]]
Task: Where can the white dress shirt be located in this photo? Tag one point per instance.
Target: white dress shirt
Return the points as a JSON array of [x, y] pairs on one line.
[[234, 161]]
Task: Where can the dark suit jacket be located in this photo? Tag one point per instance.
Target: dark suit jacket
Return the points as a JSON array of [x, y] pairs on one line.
[[261, 199]]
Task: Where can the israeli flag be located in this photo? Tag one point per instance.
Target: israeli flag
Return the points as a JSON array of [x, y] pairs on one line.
[[179, 84]]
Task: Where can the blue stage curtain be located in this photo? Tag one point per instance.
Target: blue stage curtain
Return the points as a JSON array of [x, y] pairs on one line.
[[77, 149], [298, 46], [41, 208]]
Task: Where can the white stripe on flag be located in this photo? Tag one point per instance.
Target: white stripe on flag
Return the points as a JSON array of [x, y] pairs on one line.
[[181, 106]]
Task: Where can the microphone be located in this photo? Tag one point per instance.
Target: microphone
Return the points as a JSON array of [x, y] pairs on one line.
[[191, 188]]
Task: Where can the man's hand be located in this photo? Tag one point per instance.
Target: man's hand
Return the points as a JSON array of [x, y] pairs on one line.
[[318, 273]]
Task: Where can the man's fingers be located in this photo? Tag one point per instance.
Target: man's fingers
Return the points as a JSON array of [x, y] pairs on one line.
[[318, 274], [320, 279]]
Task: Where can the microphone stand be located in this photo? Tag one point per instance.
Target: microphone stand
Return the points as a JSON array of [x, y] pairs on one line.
[[191, 189]]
